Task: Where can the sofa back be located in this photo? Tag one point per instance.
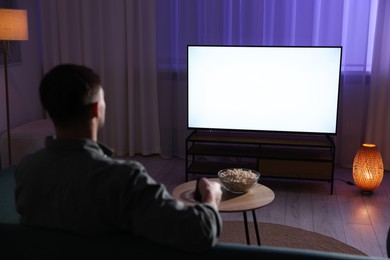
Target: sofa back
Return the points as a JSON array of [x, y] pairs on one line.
[[22, 242]]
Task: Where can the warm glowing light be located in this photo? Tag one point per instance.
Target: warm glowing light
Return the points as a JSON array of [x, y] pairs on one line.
[[368, 168], [13, 25], [368, 175]]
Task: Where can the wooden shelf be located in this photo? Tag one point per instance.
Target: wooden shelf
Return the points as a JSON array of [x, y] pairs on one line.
[[309, 157], [224, 150], [213, 167], [295, 153]]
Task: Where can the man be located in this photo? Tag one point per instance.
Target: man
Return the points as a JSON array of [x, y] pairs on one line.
[[73, 184]]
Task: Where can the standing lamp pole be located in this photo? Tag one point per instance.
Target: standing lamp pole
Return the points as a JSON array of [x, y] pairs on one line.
[[5, 47], [13, 27]]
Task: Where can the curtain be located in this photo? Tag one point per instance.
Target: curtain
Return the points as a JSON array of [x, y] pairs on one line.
[[378, 116], [118, 40], [140, 49], [284, 22]]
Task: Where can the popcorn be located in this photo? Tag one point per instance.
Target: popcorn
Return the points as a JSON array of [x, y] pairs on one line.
[[238, 180]]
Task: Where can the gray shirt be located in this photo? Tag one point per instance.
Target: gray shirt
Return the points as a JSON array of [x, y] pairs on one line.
[[75, 185]]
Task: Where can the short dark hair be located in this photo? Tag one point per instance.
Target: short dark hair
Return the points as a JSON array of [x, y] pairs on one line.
[[66, 92]]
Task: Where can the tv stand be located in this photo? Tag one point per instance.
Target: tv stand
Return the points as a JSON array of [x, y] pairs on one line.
[[295, 156]]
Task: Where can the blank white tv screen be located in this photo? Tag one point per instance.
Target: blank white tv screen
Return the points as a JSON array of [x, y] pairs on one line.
[[264, 88]]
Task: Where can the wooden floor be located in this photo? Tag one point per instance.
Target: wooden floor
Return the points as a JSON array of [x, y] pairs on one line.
[[359, 220]]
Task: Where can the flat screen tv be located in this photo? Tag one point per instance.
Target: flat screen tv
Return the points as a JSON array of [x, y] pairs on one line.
[[289, 89]]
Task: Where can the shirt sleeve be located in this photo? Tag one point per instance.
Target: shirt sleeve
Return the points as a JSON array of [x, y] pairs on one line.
[[150, 211]]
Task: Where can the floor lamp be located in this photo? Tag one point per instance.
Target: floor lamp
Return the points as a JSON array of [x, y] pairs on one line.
[[13, 27]]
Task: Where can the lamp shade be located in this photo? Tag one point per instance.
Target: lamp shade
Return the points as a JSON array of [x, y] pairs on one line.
[[13, 25], [368, 168]]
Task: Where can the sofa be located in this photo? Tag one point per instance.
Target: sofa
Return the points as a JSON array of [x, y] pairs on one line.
[[22, 242]]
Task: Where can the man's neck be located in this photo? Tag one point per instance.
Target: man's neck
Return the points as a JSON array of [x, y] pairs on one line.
[[76, 133]]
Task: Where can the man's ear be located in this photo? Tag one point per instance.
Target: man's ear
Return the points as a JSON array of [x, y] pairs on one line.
[[94, 109]]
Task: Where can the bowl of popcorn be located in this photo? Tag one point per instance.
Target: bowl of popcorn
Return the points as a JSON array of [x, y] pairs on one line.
[[238, 180]]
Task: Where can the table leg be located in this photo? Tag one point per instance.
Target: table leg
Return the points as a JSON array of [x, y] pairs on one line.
[[246, 229], [256, 227]]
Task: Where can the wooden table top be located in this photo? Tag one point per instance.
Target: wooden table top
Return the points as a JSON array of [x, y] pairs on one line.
[[257, 197]]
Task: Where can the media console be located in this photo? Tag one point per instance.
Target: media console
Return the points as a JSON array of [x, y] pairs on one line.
[[296, 156]]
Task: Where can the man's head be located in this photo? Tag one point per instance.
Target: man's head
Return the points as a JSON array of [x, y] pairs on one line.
[[72, 94]]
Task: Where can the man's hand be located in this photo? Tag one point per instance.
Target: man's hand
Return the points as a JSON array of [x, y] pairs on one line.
[[210, 191]]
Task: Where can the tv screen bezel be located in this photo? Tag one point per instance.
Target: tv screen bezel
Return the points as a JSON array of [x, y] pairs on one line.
[[263, 130]]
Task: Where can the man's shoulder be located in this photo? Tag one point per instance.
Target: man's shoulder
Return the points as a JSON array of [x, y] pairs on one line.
[[125, 165]]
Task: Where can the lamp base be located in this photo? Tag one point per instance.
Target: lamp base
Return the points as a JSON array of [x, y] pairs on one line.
[[366, 192]]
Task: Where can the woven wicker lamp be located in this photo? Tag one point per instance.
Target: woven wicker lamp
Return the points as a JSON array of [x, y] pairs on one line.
[[368, 168]]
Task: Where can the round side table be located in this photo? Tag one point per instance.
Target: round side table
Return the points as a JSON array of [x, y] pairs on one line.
[[258, 196]]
